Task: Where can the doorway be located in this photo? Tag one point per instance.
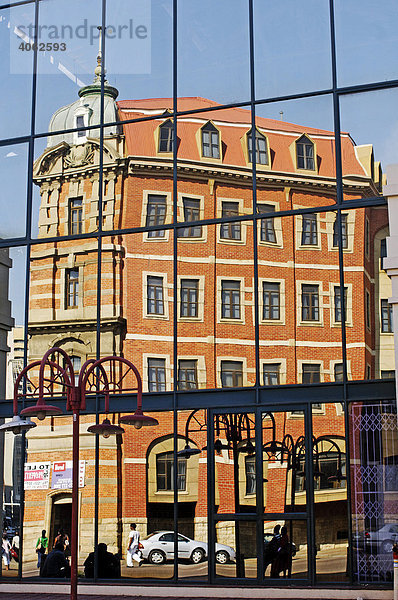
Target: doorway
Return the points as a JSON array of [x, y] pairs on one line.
[[61, 516]]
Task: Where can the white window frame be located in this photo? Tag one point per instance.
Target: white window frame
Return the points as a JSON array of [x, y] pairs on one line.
[[243, 224], [220, 318], [282, 301], [145, 374], [201, 298], [180, 211], [166, 299], [168, 217], [277, 226], [300, 322], [273, 361], [349, 315], [242, 359]]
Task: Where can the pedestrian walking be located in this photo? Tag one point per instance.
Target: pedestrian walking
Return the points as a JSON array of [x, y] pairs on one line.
[[41, 548], [5, 551], [133, 553]]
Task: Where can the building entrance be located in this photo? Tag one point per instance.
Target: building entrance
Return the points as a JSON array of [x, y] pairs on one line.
[[61, 517]]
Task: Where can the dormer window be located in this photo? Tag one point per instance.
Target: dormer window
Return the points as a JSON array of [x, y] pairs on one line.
[[210, 141], [80, 123], [166, 136], [305, 154], [260, 146]]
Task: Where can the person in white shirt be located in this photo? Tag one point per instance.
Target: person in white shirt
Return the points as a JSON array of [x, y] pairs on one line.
[[132, 549], [6, 547]]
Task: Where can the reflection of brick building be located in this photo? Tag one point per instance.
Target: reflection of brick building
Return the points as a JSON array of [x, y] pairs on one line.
[[298, 293]]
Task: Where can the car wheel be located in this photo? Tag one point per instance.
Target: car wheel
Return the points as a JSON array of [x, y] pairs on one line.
[[222, 557], [386, 547], [157, 557], [197, 556]]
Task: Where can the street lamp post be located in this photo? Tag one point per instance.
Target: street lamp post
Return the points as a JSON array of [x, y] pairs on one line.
[[102, 376]]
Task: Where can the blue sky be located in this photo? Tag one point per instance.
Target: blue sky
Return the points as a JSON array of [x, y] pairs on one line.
[[292, 50]]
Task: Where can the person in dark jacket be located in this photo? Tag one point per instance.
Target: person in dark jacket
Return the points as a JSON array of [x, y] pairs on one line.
[[56, 564], [108, 564]]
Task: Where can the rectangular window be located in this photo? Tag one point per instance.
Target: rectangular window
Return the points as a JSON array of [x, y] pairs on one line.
[[189, 297], [271, 374], [309, 234], [367, 237], [166, 134], [337, 304], [388, 374], [310, 302], [386, 317], [261, 148], [250, 469], [156, 374], [311, 373], [367, 316], [383, 252], [191, 214], [210, 143], [231, 373], [187, 375], [155, 302], [156, 214], [165, 472], [80, 123], [230, 231], [75, 215], [338, 372], [230, 299], [344, 232], [267, 230], [271, 301], [72, 288]]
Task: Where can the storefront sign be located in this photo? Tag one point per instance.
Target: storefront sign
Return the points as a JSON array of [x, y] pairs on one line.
[[37, 476], [62, 474]]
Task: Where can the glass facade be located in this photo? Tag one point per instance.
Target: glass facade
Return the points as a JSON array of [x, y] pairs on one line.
[[213, 212]]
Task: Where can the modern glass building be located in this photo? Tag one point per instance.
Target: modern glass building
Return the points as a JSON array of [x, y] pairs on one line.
[[198, 189]]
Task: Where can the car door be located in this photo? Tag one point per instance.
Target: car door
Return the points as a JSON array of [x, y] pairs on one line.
[[184, 547], [166, 543]]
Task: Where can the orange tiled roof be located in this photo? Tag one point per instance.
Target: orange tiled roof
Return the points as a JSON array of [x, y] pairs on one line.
[[233, 123]]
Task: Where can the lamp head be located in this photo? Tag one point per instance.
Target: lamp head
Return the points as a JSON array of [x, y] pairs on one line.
[[41, 411], [106, 429], [138, 419], [17, 425], [187, 452]]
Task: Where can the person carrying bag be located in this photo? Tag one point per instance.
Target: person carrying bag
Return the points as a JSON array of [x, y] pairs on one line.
[[41, 548]]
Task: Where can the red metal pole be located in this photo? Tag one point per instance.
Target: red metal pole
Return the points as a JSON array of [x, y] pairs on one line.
[[75, 500]]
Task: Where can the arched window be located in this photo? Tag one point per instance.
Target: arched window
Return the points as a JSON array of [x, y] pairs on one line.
[[210, 141], [305, 154], [260, 147], [166, 136]]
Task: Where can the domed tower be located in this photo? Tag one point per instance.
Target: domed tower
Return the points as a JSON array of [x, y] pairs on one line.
[[68, 176]]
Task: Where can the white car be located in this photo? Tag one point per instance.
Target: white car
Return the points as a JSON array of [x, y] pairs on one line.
[[157, 547]]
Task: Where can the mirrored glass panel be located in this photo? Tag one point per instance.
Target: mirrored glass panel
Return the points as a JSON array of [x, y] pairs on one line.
[[235, 549], [67, 49], [213, 60], [136, 497], [373, 455], [138, 52], [365, 60], [14, 172], [233, 445], [193, 552], [285, 549], [16, 64], [295, 57], [330, 492], [283, 435]]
